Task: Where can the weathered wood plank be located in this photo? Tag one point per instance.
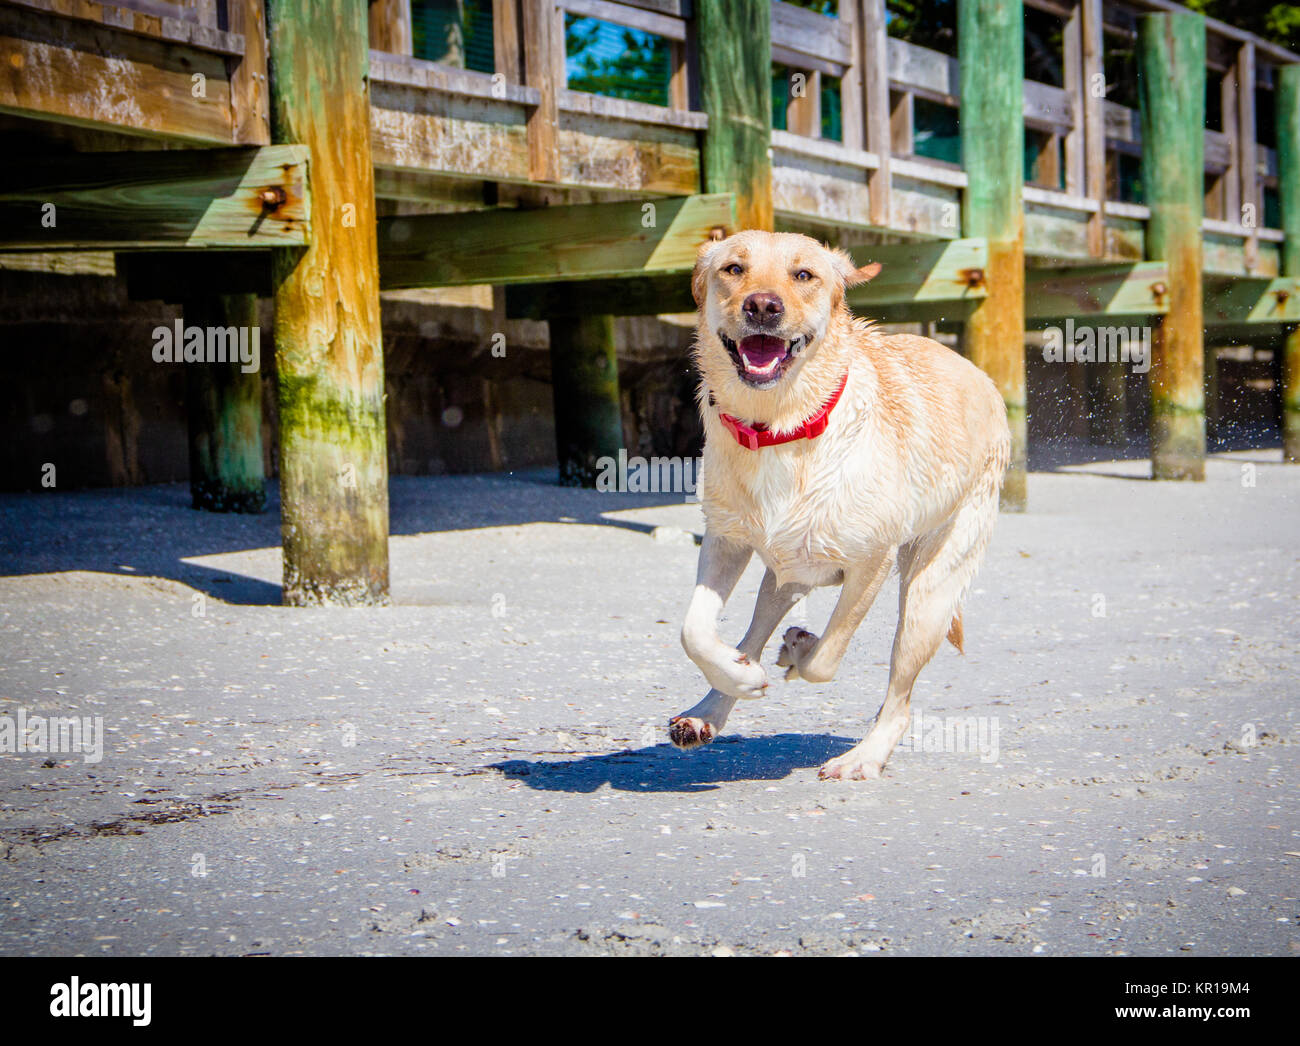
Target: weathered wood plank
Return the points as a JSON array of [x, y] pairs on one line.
[[876, 105], [204, 35], [543, 25], [249, 103], [507, 40], [1248, 299], [1107, 290], [598, 152], [414, 128], [811, 34], [244, 197], [1246, 147], [1094, 122], [96, 75], [633, 17], [390, 26], [952, 270], [593, 240]]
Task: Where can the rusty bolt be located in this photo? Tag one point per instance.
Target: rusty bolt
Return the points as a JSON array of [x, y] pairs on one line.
[[1158, 290], [974, 277], [272, 197], [717, 233], [1282, 298]]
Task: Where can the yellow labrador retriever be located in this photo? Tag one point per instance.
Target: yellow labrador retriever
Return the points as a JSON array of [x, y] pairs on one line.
[[836, 452]]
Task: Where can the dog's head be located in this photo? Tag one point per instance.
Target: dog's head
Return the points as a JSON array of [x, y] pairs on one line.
[[766, 301]]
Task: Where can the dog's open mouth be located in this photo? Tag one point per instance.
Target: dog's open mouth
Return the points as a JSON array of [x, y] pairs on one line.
[[761, 359]]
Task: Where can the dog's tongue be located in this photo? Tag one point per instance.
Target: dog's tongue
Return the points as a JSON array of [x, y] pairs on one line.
[[762, 353]]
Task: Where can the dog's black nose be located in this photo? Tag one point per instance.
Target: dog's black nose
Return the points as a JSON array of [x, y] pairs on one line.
[[763, 308]]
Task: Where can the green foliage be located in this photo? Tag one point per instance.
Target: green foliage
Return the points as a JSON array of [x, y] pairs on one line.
[[602, 58], [926, 23], [1278, 23]]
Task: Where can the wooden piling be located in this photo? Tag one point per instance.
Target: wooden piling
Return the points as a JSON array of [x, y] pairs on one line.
[[735, 92], [1171, 83], [224, 412], [1288, 188], [584, 383], [333, 454], [991, 42]]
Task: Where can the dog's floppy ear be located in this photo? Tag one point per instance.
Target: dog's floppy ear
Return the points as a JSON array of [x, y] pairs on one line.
[[700, 277], [849, 271]]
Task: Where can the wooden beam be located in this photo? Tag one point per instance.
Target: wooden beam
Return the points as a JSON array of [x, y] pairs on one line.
[[735, 78], [991, 43], [915, 275], [1100, 290], [1171, 81], [1287, 102], [584, 387], [874, 42], [224, 408], [589, 240], [73, 71], [236, 198], [329, 359], [1247, 299], [162, 23], [926, 271]]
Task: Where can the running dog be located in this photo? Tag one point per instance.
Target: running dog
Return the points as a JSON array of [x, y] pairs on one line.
[[837, 453]]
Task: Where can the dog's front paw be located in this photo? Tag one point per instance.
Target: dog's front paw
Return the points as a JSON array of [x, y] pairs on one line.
[[796, 645], [687, 732], [853, 765]]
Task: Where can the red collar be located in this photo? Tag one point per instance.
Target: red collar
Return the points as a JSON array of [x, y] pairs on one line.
[[755, 436]]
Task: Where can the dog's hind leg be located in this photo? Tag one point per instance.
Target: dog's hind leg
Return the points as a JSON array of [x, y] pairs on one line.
[[817, 660], [701, 724], [935, 572]]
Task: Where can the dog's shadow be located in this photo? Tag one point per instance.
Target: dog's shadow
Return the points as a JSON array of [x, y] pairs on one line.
[[662, 768]]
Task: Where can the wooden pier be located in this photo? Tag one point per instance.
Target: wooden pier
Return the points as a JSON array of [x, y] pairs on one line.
[[298, 150]]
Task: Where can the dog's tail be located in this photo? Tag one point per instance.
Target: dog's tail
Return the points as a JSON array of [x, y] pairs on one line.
[[955, 635]]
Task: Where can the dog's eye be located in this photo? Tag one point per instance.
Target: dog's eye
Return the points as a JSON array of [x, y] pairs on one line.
[[803, 274], [734, 270]]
